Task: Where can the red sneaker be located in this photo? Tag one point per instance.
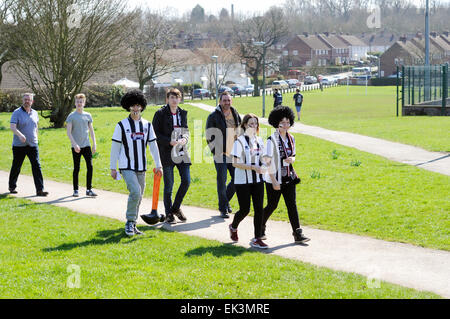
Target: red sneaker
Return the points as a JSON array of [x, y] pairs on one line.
[[258, 243], [233, 234]]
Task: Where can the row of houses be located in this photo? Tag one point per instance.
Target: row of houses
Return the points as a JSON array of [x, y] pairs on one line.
[[324, 49]]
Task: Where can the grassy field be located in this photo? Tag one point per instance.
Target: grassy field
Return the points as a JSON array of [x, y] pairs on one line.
[[56, 253], [373, 114], [342, 189]]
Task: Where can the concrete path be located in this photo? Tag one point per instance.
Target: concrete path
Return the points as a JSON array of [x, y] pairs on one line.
[[438, 162], [402, 264]]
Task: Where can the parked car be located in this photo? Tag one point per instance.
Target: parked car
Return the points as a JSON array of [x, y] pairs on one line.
[[280, 84], [239, 89], [250, 88], [310, 80], [293, 83], [201, 93], [225, 88]]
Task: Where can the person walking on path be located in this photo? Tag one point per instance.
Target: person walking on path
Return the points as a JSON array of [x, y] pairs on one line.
[[221, 132], [172, 133], [24, 125], [129, 143], [248, 178], [79, 127], [277, 98], [298, 100], [281, 178]]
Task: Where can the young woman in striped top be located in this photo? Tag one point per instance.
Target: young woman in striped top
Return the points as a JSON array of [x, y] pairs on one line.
[[248, 178]]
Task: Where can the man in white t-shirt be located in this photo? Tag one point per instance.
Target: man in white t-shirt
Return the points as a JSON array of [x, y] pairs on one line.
[[129, 142]]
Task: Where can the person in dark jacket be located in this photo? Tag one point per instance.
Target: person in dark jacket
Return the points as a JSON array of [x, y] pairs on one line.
[[171, 129], [222, 128]]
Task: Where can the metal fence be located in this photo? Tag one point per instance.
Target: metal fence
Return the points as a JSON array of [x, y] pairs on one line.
[[424, 86]]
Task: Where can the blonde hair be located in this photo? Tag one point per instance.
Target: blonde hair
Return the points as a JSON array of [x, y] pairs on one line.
[[80, 96]]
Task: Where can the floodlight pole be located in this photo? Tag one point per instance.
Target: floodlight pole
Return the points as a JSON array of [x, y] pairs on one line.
[[262, 44], [215, 57]]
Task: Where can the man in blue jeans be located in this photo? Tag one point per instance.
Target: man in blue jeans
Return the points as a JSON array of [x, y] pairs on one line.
[[24, 124], [172, 133], [221, 132]]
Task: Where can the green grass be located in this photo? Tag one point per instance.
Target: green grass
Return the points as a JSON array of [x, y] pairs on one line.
[[342, 189], [38, 259], [373, 114]]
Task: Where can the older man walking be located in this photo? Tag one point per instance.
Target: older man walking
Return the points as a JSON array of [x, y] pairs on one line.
[[24, 125]]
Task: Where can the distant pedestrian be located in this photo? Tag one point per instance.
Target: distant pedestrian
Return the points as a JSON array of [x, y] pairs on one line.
[[298, 100], [277, 98], [79, 127], [248, 178], [24, 125], [129, 143], [221, 131], [281, 178], [171, 128]]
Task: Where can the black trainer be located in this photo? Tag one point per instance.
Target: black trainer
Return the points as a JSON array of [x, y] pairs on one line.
[[170, 219], [299, 238], [137, 231], [224, 215], [41, 193], [179, 215], [90, 193], [229, 210], [12, 191]]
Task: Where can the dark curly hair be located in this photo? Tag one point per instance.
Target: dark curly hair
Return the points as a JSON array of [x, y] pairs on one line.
[[280, 112], [133, 97]]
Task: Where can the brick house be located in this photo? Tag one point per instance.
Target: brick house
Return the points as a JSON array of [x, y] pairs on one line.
[[411, 52]]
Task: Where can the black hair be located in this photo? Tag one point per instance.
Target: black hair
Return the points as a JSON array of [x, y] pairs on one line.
[[133, 97], [280, 112]]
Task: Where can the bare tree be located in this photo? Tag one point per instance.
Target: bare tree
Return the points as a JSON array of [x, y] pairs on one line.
[[151, 39], [268, 30], [6, 28], [61, 44]]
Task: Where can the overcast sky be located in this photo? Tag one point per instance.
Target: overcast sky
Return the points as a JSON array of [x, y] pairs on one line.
[[214, 6]]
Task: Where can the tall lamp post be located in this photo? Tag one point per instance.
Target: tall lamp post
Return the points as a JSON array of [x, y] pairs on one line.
[[262, 44], [215, 57]]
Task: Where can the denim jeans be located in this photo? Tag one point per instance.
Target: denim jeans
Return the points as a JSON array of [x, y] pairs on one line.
[[168, 176], [136, 185], [224, 192], [19, 153]]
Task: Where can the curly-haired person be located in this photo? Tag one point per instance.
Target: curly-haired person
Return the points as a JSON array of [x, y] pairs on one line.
[[281, 178], [129, 143]]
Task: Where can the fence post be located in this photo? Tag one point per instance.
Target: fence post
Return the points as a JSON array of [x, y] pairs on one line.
[[445, 87]]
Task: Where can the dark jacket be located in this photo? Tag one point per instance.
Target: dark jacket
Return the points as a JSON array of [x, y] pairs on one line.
[[217, 120], [163, 126]]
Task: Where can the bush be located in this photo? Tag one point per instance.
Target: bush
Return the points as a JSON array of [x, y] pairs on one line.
[[99, 95], [10, 100]]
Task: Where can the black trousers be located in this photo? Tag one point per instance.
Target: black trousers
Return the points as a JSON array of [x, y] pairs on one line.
[[246, 193], [87, 154], [289, 195], [19, 153]]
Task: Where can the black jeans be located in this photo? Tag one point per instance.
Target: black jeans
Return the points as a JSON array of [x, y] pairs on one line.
[[87, 154], [225, 192], [289, 195], [19, 153], [245, 193], [185, 176]]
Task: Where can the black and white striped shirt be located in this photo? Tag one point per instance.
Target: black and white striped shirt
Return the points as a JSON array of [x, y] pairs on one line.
[[248, 151], [134, 137]]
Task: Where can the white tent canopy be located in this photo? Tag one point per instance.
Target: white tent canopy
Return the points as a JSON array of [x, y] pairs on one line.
[[127, 83]]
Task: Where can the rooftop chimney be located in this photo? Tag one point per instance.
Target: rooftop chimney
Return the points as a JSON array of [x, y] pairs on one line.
[[433, 34], [305, 34], [402, 39]]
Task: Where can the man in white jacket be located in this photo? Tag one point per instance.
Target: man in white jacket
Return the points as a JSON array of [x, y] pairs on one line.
[[129, 143]]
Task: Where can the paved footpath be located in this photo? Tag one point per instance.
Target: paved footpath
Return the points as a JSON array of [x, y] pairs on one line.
[[402, 264], [438, 162]]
